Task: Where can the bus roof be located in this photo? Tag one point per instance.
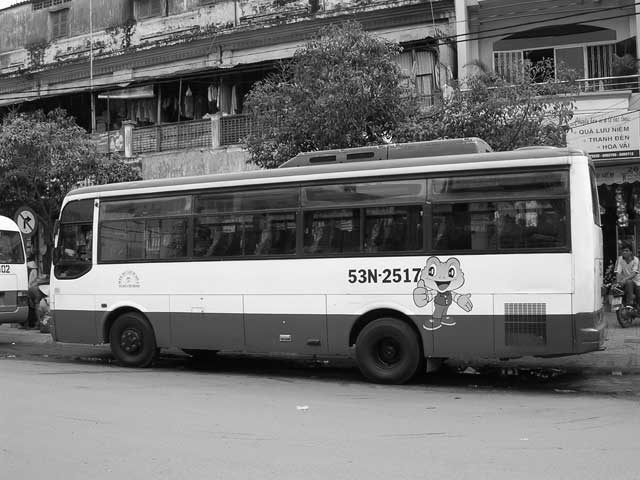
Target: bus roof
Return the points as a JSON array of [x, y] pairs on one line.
[[392, 151], [435, 163], [7, 223]]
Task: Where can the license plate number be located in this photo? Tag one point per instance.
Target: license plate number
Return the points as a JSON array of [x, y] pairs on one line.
[[616, 301]]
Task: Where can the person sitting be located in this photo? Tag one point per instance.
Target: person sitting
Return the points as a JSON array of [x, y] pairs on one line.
[[626, 269]]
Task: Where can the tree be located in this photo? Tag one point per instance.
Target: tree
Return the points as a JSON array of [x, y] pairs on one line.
[[342, 89], [42, 157], [530, 109]]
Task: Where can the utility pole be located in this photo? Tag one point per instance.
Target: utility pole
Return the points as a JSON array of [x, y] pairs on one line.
[[92, 96]]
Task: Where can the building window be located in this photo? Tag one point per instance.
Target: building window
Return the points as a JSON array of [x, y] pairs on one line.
[[149, 8], [47, 4], [60, 23], [598, 60], [419, 65]]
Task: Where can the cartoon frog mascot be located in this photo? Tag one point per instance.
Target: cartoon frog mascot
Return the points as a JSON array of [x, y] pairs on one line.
[[438, 282]]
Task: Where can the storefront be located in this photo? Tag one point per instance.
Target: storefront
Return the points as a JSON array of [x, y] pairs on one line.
[[604, 126], [619, 192]]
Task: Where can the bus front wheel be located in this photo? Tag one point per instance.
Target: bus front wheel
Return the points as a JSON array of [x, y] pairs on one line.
[[388, 351], [133, 342]]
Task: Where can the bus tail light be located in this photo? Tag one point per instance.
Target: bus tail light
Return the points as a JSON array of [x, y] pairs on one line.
[[23, 298]]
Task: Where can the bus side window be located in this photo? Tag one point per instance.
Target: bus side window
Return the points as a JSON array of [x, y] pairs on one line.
[[393, 229], [452, 227], [332, 231], [5, 250]]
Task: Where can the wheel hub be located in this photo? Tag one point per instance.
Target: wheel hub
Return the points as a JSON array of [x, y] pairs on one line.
[[131, 340], [388, 351]]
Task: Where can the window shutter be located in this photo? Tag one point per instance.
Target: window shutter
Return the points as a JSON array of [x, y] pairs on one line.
[[60, 23], [155, 8]]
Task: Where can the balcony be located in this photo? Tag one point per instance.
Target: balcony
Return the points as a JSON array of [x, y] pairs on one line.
[[232, 129], [208, 133]]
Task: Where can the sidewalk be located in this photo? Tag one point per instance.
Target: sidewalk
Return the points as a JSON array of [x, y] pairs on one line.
[[621, 356]]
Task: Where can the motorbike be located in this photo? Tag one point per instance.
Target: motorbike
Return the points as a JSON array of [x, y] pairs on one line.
[[625, 314]]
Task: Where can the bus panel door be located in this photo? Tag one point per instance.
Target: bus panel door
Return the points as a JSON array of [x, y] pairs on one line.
[[286, 323], [212, 322]]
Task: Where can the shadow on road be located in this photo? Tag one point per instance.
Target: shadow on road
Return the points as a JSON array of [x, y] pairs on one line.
[[524, 379]]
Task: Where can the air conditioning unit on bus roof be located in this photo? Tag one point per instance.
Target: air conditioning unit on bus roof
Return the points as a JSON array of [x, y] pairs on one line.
[[433, 148]]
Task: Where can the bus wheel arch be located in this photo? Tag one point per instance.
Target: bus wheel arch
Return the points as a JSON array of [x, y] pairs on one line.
[[132, 338], [388, 346]]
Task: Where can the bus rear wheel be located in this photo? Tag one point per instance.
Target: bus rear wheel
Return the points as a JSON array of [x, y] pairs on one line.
[[133, 342], [388, 351]]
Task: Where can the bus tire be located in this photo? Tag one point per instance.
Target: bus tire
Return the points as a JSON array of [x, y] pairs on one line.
[[388, 351], [624, 317], [133, 342]]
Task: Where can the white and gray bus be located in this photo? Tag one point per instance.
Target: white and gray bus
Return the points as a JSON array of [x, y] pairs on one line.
[[14, 281], [393, 255]]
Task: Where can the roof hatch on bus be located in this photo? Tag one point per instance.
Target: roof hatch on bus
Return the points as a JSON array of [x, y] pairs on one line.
[[433, 148]]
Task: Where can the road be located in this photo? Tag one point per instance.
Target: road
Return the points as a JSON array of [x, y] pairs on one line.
[[83, 417]]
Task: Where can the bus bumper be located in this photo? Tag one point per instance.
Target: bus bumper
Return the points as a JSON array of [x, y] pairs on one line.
[[590, 331]]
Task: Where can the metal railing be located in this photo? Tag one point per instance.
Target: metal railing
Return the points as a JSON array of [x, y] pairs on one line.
[[172, 136], [231, 130], [234, 128], [603, 84]]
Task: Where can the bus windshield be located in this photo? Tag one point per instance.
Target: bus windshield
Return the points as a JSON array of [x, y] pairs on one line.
[[11, 247]]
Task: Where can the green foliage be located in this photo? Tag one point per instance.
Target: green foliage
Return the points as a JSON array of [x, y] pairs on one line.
[[530, 109], [342, 89], [42, 157]]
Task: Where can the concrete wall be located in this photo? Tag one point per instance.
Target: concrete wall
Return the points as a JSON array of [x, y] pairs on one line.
[[185, 163], [114, 30]]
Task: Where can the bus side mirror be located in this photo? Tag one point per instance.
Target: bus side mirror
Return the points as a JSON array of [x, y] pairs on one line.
[[56, 230]]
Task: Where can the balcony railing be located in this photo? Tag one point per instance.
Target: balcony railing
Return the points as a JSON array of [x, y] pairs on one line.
[[234, 128], [602, 84], [208, 133], [172, 136]]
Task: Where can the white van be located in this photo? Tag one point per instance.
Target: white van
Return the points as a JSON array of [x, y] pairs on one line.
[[14, 281]]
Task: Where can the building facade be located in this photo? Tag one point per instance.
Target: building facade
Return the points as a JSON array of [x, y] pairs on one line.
[[153, 77], [594, 42]]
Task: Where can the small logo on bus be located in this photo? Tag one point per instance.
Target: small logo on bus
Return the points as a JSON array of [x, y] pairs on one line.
[[129, 279], [437, 282]]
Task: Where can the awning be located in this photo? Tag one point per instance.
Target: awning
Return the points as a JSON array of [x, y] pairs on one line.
[[129, 93], [609, 174]]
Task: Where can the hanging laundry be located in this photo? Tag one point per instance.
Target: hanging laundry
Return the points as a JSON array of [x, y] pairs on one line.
[[200, 106], [188, 103], [234, 100], [212, 98]]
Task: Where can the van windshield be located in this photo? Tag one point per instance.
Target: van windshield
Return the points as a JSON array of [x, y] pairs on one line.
[[11, 247]]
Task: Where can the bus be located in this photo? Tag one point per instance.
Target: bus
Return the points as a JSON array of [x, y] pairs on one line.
[[14, 281], [398, 256]]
